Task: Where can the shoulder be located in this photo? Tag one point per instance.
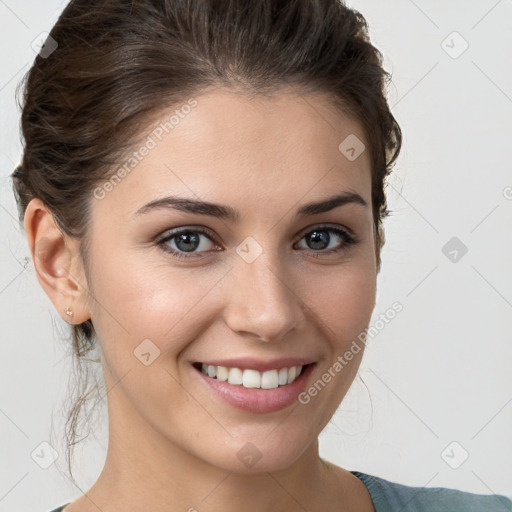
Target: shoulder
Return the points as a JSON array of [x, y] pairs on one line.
[[390, 496]]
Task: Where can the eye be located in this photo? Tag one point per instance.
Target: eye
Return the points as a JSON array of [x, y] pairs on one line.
[[185, 242], [321, 238], [188, 243]]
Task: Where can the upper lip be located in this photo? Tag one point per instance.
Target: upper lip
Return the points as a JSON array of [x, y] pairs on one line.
[[261, 365]]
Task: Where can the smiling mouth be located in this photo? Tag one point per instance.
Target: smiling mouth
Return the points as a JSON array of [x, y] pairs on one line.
[[249, 378]]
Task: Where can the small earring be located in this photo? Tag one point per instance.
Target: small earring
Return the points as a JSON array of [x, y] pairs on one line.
[[69, 312]]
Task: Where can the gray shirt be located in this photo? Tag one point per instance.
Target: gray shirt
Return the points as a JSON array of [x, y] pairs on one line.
[[390, 496]]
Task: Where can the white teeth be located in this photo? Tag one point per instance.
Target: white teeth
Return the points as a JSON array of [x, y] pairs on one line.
[[270, 379], [235, 376], [292, 373], [222, 373], [251, 379]]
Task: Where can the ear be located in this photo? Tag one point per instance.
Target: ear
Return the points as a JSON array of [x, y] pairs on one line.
[[57, 262], [379, 239]]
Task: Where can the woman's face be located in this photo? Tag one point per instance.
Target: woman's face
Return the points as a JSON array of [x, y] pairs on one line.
[[258, 282]]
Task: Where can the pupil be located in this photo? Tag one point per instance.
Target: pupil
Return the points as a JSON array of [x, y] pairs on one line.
[[319, 237], [187, 238]]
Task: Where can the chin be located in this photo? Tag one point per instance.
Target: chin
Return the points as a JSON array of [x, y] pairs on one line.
[[259, 453]]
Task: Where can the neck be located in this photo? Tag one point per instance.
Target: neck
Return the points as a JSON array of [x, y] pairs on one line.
[[144, 471]]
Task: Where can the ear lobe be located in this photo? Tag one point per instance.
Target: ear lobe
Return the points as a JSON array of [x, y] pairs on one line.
[[52, 254]]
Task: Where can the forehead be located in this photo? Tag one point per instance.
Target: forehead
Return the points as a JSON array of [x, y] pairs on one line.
[[246, 149]]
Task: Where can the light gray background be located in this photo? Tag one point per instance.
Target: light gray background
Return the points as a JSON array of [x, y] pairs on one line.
[[440, 371]]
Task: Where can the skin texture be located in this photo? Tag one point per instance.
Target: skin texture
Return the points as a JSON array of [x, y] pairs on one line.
[[173, 445]]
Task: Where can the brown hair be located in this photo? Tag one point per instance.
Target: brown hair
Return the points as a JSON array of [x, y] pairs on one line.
[[119, 62]]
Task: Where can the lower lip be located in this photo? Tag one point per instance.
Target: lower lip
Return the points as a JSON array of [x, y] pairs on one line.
[[258, 400]]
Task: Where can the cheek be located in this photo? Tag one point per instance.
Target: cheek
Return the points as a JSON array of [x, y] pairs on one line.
[[343, 299], [163, 302], [341, 304], [352, 302]]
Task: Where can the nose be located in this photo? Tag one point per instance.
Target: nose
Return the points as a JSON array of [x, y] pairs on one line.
[[263, 300]]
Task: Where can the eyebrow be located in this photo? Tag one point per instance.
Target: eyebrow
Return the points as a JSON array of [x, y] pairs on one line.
[[228, 213]]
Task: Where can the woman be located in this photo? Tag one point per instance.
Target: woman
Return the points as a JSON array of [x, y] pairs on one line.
[[202, 189]]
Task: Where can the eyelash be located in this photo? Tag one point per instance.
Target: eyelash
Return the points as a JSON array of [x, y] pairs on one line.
[[348, 240]]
